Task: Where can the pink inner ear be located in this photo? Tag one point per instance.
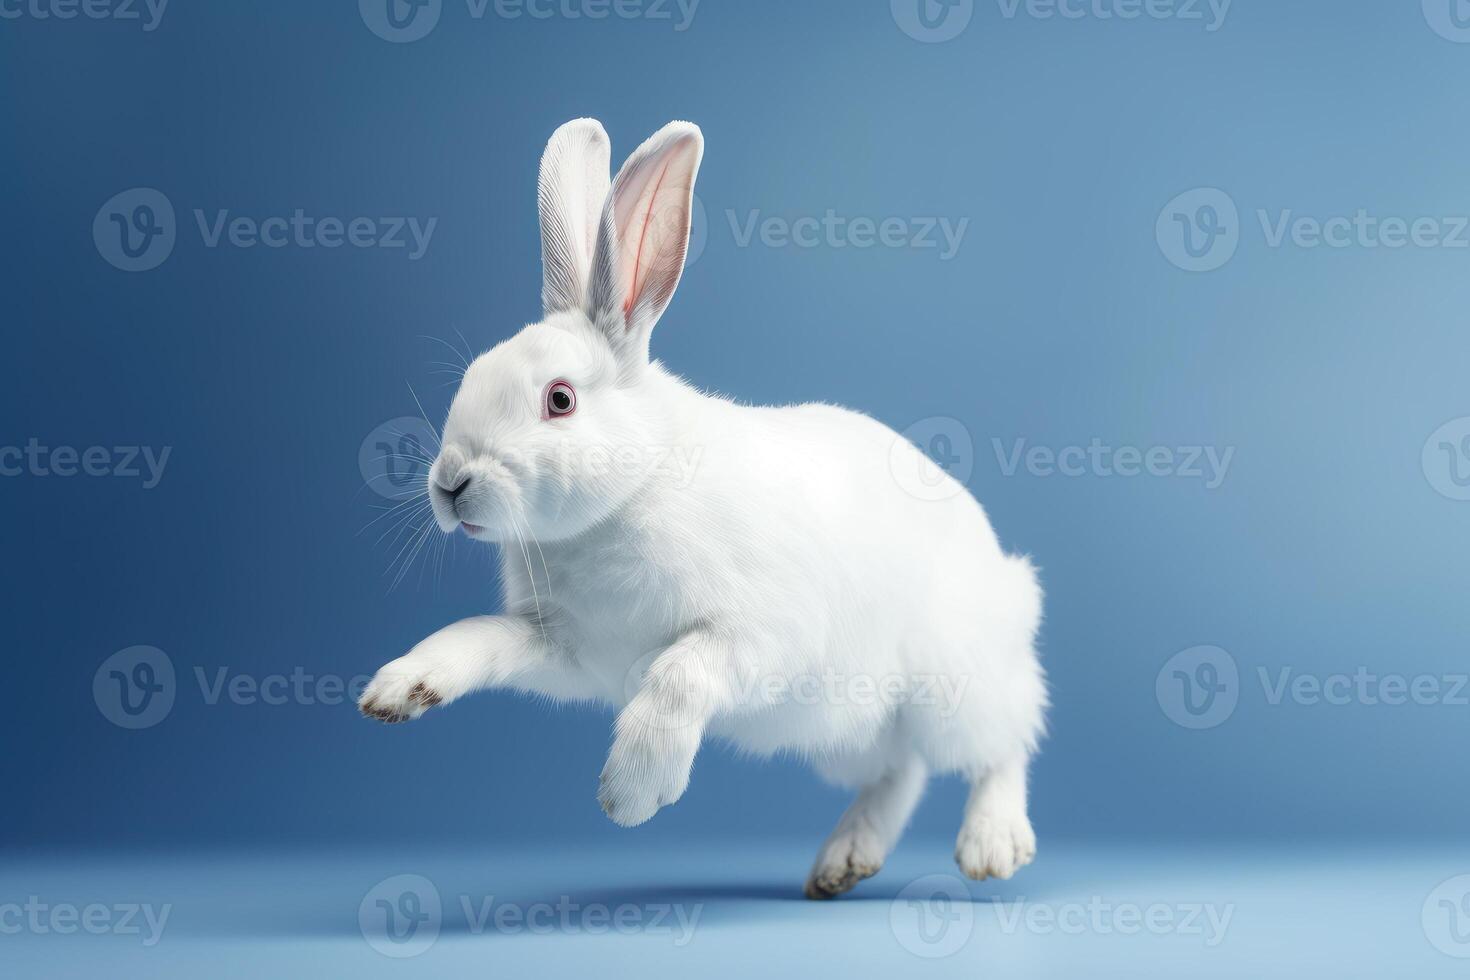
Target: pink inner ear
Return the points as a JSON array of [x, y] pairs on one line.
[[637, 281], [650, 211]]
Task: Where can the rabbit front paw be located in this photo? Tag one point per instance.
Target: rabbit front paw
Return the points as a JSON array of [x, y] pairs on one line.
[[401, 691], [643, 773]]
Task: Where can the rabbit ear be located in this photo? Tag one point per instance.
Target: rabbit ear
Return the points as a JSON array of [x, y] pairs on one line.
[[573, 188], [643, 238]]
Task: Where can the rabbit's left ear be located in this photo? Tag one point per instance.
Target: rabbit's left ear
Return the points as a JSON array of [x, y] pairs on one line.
[[643, 238], [572, 191]]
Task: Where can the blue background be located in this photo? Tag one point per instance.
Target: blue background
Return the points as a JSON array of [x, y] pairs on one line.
[[1060, 320]]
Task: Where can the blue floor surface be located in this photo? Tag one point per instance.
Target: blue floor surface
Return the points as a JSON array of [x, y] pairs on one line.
[[735, 910]]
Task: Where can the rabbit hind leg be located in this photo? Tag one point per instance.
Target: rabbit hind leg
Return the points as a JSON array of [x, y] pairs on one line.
[[865, 835]]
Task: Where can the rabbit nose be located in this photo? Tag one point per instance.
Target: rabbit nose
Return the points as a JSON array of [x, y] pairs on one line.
[[452, 483], [457, 489], [450, 475]]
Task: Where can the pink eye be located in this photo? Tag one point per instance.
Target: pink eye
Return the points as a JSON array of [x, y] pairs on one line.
[[561, 400]]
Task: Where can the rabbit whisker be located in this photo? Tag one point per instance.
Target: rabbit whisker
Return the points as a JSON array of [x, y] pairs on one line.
[[446, 343]]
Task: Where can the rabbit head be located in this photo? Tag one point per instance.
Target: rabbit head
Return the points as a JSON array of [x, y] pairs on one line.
[[554, 428]]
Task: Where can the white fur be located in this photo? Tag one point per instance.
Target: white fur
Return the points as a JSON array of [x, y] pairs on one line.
[[712, 568]]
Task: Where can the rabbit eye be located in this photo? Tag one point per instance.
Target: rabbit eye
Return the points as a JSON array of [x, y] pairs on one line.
[[561, 400]]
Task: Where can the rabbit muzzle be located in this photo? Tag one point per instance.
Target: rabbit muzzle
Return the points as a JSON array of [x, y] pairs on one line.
[[478, 493]]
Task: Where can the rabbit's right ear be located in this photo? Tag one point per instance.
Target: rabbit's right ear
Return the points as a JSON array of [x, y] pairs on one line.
[[574, 184], [643, 240]]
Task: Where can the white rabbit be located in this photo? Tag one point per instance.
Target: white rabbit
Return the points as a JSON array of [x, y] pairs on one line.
[[710, 568]]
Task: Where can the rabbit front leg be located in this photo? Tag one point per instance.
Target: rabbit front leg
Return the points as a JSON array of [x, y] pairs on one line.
[[658, 733], [467, 656]]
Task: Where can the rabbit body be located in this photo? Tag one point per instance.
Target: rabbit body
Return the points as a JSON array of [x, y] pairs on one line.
[[790, 538], [772, 576]]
